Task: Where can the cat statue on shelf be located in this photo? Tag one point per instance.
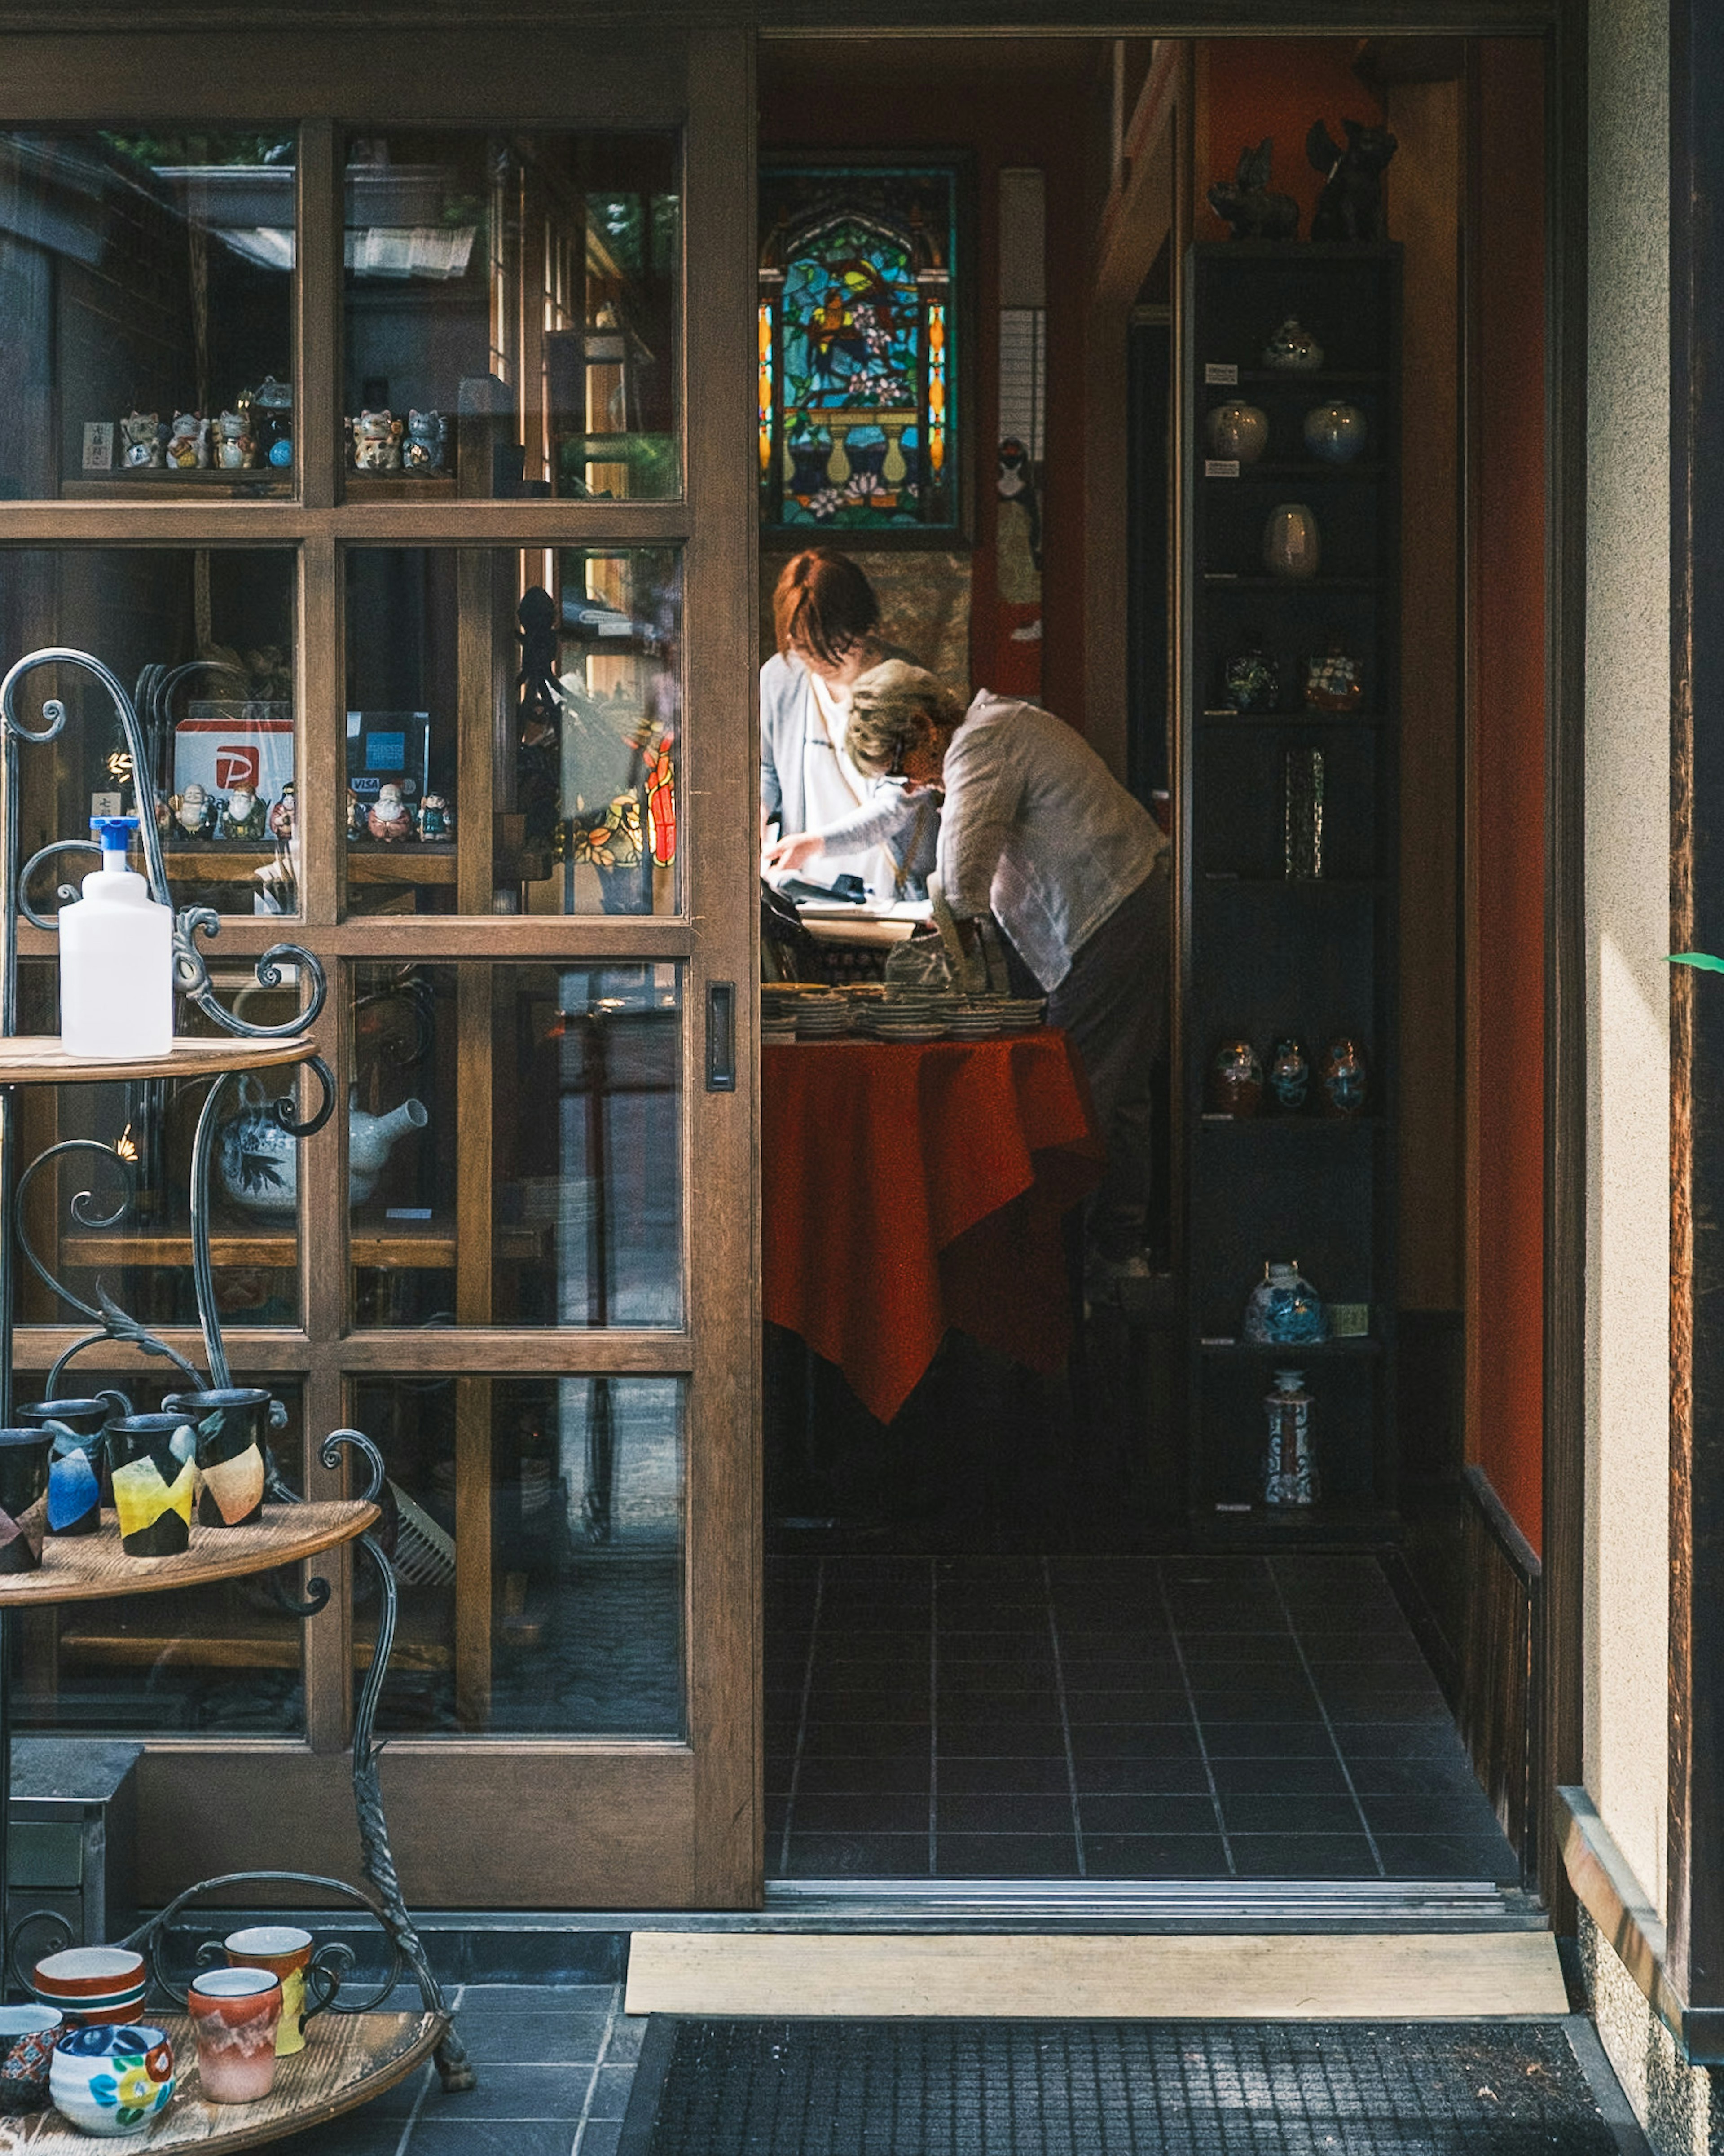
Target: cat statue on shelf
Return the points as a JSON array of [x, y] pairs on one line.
[[141, 440], [1247, 203], [234, 448], [188, 443], [422, 449], [1350, 207], [377, 442]]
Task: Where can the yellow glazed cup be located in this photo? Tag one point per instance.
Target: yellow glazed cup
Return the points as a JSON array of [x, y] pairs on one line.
[[285, 1951]]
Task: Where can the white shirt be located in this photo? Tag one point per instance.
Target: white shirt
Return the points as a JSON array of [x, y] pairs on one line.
[[1037, 829], [832, 788]]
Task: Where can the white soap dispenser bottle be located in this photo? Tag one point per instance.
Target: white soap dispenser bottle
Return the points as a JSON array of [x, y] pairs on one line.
[[116, 959]]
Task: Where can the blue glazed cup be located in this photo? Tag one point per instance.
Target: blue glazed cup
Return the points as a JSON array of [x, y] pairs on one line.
[[74, 1468]]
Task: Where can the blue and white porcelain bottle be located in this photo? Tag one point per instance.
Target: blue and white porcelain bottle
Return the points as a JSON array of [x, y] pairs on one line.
[[1284, 1310], [1290, 1471]]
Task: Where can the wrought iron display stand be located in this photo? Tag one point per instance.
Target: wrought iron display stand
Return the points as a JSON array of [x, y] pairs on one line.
[[377, 2049]]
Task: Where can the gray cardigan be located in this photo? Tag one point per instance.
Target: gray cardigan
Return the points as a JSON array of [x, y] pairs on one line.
[[908, 825]]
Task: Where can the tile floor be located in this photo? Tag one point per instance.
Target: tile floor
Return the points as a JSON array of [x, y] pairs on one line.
[[556, 2064], [1109, 1717]]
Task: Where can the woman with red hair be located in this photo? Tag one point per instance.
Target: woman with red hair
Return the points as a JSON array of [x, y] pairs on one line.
[[826, 622]]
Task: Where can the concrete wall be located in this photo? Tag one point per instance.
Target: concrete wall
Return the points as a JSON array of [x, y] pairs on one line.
[[1628, 855]]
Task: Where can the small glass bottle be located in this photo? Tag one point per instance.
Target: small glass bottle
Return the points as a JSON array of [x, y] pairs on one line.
[[1303, 840]]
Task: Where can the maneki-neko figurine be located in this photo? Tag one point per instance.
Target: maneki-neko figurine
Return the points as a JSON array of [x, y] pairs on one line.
[[188, 443], [377, 442], [234, 448], [424, 449], [140, 441]]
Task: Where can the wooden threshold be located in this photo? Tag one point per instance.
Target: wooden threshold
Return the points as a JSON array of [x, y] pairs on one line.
[[1275, 1977]]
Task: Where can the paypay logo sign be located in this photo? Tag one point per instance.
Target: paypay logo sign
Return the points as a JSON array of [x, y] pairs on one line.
[[235, 765]]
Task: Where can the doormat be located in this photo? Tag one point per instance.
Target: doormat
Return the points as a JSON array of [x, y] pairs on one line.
[[1328, 1976], [1063, 2088]]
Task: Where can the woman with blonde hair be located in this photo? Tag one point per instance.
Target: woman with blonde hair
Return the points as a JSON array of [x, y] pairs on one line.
[[826, 621], [1036, 830]]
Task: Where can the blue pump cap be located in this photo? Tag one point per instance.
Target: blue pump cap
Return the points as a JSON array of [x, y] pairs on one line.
[[113, 834]]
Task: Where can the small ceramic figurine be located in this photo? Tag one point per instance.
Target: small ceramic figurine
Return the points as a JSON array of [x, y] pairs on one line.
[[1344, 1077], [142, 443], [1288, 1072], [1253, 680], [422, 449], [281, 815], [436, 820], [241, 817], [188, 443], [1247, 202], [1293, 350], [391, 819], [1333, 683], [194, 812], [377, 442], [355, 815], [234, 448]]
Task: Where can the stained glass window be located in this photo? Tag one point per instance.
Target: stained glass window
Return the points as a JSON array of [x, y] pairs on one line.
[[858, 418]]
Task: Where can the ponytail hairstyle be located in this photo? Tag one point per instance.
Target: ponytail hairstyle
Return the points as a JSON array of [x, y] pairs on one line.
[[822, 606]]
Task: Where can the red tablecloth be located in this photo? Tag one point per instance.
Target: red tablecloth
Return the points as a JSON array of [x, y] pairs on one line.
[[907, 1189]]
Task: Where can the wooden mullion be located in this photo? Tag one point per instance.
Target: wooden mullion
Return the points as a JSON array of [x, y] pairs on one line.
[[477, 600], [318, 292], [321, 789]]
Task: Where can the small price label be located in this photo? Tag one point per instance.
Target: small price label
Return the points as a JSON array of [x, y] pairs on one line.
[[1221, 467], [98, 445], [1217, 374]]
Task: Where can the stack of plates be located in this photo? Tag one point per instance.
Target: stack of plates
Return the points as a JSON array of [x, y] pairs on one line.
[[1021, 1014], [822, 1017], [916, 1024], [975, 1021]]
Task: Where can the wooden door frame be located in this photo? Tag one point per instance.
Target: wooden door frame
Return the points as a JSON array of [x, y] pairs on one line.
[[506, 1821]]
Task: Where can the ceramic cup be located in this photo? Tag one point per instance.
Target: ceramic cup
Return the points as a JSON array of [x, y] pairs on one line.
[[76, 1462], [92, 1984], [114, 2079], [28, 2036], [235, 2013], [229, 1429], [24, 1485], [285, 1952], [155, 1481]]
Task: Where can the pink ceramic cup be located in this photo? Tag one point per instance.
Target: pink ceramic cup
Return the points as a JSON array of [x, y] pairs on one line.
[[234, 2014]]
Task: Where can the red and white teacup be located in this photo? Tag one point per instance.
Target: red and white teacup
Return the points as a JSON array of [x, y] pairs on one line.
[[235, 2015], [285, 1951]]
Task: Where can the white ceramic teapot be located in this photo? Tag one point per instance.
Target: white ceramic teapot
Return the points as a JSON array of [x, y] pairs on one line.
[[259, 1161]]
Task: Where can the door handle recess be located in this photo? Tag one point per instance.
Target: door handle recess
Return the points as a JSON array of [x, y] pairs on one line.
[[720, 1036]]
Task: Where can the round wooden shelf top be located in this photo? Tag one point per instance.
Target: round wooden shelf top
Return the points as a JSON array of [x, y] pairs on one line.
[[95, 1568], [38, 1060], [348, 2059]]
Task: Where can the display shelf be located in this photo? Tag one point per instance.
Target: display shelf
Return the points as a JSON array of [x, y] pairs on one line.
[[1261, 721], [1280, 468], [348, 2059], [92, 1568], [381, 1246], [180, 487], [424, 861], [1225, 880], [38, 1060], [1339, 1524], [1227, 580], [1215, 1119], [1361, 1348], [246, 1639], [1312, 378], [400, 486]]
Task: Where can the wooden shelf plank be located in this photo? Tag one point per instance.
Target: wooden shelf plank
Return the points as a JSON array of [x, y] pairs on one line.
[[38, 1060], [348, 2059], [95, 1568], [378, 1245]]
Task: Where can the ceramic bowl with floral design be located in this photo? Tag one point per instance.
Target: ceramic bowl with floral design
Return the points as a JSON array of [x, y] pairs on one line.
[[112, 2079]]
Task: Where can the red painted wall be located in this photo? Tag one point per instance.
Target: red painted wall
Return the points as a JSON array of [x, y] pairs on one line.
[[1250, 87], [1506, 1298], [1007, 117]]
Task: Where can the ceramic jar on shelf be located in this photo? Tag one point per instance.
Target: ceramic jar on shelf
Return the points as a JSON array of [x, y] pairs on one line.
[[1293, 350], [1292, 545], [1287, 1074], [1233, 1083], [1237, 430], [1343, 1078], [1336, 433], [1251, 680], [1285, 1310]]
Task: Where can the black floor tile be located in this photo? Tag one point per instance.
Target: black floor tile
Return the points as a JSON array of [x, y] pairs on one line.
[[503, 2039], [1414, 1778], [858, 1856], [1047, 1776], [1155, 1856], [1007, 1857], [1089, 1707], [902, 1704], [1381, 1739], [831, 1740], [1047, 1812], [851, 1774], [466, 2134], [1288, 1812], [1293, 1703], [1146, 1778], [1448, 1856], [524, 2092], [1451, 1812], [992, 1737], [1279, 1777], [1130, 1740], [1111, 1812], [1302, 1856], [1199, 1648], [1267, 1739], [870, 1812]]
